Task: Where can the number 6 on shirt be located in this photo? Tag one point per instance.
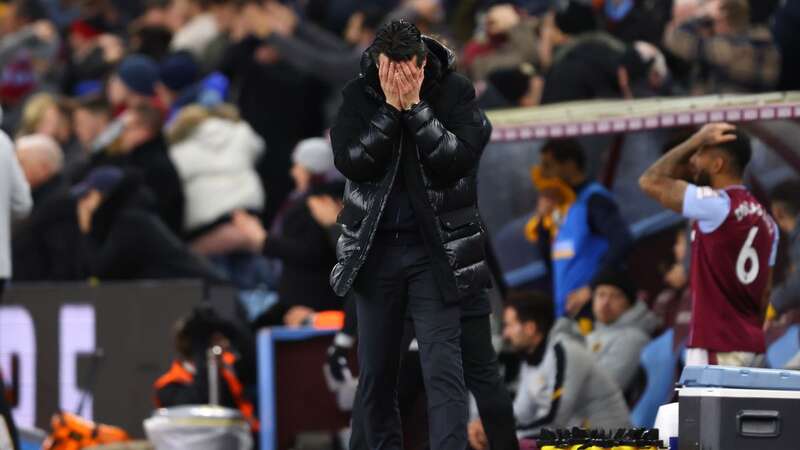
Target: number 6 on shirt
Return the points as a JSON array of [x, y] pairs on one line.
[[748, 254]]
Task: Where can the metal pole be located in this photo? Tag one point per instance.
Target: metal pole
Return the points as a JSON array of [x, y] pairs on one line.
[[213, 355]]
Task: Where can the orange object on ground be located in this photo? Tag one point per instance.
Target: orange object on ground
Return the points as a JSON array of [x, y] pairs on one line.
[[72, 432]]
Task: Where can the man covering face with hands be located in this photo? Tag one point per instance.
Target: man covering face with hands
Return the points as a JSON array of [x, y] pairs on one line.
[[408, 138]]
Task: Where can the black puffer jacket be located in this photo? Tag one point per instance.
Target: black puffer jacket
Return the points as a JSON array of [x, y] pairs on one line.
[[447, 132]]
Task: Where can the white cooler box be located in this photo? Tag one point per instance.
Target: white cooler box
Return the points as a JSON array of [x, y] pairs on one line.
[[198, 428], [731, 408]]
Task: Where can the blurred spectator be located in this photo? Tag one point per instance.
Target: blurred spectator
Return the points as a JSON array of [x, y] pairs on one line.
[[785, 26], [593, 238], [215, 153], [623, 326], [313, 50], [560, 384], [636, 20], [46, 246], [670, 301], [52, 116], [509, 39], [186, 382], [133, 83], [786, 211], [282, 104], [15, 204], [141, 145], [151, 40], [90, 117], [559, 28], [28, 47], [178, 84], [300, 241], [729, 54], [511, 88], [598, 66], [124, 239], [204, 33], [92, 56]]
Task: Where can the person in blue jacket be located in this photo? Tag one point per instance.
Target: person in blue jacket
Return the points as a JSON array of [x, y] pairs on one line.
[[593, 236]]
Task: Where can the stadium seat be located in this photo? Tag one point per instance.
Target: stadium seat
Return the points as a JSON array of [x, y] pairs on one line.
[[658, 360], [784, 348]]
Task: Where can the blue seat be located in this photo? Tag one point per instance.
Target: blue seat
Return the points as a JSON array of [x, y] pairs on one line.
[[784, 349], [659, 361]]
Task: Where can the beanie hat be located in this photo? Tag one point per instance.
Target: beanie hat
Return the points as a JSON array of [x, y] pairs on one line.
[[619, 280], [103, 179], [576, 18], [315, 154], [139, 73], [178, 71], [514, 83]]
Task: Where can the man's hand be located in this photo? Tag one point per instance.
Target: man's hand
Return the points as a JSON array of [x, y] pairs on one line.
[[252, 229], [576, 299], [714, 134], [387, 74], [324, 209], [477, 436], [409, 80]]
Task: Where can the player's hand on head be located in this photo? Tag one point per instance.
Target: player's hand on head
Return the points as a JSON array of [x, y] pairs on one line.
[[716, 133]]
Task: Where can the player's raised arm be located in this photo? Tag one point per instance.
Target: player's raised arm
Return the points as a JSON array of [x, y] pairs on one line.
[[661, 181]]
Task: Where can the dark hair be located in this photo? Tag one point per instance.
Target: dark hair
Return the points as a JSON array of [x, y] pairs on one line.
[[564, 150], [95, 103], [373, 16], [787, 194], [739, 150], [533, 306], [399, 40], [619, 280]]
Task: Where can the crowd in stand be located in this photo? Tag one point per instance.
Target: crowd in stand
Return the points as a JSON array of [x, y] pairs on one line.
[[186, 139]]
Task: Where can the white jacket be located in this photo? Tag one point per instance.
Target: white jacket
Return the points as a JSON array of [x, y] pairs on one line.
[[216, 165], [15, 200]]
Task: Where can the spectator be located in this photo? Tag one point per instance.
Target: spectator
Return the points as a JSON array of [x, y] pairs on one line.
[[28, 46], [599, 66], [786, 211], [52, 116], [15, 204], [141, 145], [593, 237], [91, 117], [46, 245], [208, 22], [124, 239], [91, 58], [787, 22], [671, 301], [623, 326], [509, 40], [178, 84], [215, 154], [313, 50], [133, 83], [559, 29], [560, 384], [186, 382], [298, 239], [729, 54], [632, 20], [511, 88]]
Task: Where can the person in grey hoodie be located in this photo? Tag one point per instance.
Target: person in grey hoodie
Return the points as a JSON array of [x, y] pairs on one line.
[[560, 384], [15, 204], [623, 326]]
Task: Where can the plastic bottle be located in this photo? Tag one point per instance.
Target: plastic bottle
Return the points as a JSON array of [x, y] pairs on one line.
[[627, 439], [650, 440], [578, 438]]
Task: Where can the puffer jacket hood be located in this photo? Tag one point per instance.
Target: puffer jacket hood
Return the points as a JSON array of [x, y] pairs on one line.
[[638, 316]]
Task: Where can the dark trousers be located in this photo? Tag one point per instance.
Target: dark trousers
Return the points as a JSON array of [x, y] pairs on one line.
[[5, 411], [482, 378], [397, 279]]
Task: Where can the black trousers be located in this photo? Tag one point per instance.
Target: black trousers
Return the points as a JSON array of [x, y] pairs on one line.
[[397, 279], [482, 378], [5, 411]]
